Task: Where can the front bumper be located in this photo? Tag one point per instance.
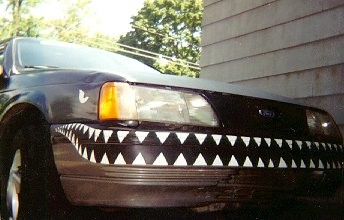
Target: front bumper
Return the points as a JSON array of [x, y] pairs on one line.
[[130, 168]]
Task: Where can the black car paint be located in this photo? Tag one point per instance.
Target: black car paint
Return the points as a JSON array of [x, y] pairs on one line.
[[55, 92]]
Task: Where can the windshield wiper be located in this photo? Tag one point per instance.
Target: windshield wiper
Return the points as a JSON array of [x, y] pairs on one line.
[[40, 67]]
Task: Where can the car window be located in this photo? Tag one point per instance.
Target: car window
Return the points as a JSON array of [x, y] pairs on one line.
[[46, 53]]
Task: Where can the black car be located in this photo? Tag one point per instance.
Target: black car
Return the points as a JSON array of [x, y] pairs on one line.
[[86, 127]]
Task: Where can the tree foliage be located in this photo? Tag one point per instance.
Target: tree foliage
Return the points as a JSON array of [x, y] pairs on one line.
[[70, 27], [19, 21], [171, 28]]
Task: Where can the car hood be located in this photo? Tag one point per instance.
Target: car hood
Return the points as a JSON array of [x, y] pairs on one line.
[[63, 76]]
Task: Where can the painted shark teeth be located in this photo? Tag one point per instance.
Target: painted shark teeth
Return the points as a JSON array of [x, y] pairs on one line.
[[79, 134]]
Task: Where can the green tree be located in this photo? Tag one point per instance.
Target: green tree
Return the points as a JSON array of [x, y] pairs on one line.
[[19, 22], [171, 28], [69, 28]]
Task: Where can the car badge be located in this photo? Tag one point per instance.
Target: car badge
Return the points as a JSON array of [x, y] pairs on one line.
[[82, 97], [267, 113]]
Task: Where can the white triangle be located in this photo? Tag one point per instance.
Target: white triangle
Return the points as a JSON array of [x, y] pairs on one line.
[[160, 160], [217, 161], [258, 140], [293, 164], [182, 136], [96, 134], [201, 137], [260, 163], [162, 136], [76, 144], [79, 148], [248, 162], [73, 125], [141, 135], [90, 132], [121, 135], [299, 144], [317, 144], [312, 165], [282, 163], [268, 141], [200, 161], [85, 129], [70, 136], [303, 165], [80, 151], [279, 142], [217, 138], [105, 160], [232, 139], [246, 140], [107, 134], [180, 161], [120, 160], [233, 162], [139, 160], [290, 143], [77, 126], [270, 163], [69, 125], [84, 155], [93, 159], [73, 139], [308, 143]]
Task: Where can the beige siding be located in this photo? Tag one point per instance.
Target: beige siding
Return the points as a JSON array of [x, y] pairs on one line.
[[219, 10], [289, 47]]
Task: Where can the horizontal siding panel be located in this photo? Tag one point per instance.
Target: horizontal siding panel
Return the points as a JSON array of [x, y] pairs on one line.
[[287, 35], [308, 56], [219, 10], [304, 84], [269, 15], [210, 2]]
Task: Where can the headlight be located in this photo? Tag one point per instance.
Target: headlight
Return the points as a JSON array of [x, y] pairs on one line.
[[321, 124], [121, 101]]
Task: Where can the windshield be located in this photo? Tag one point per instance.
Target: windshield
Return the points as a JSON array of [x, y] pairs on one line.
[[33, 53]]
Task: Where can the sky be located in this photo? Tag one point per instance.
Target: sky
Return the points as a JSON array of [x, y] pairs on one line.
[[110, 17], [113, 16]]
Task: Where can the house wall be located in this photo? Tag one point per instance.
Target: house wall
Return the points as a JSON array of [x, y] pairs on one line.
[[293, 48]]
